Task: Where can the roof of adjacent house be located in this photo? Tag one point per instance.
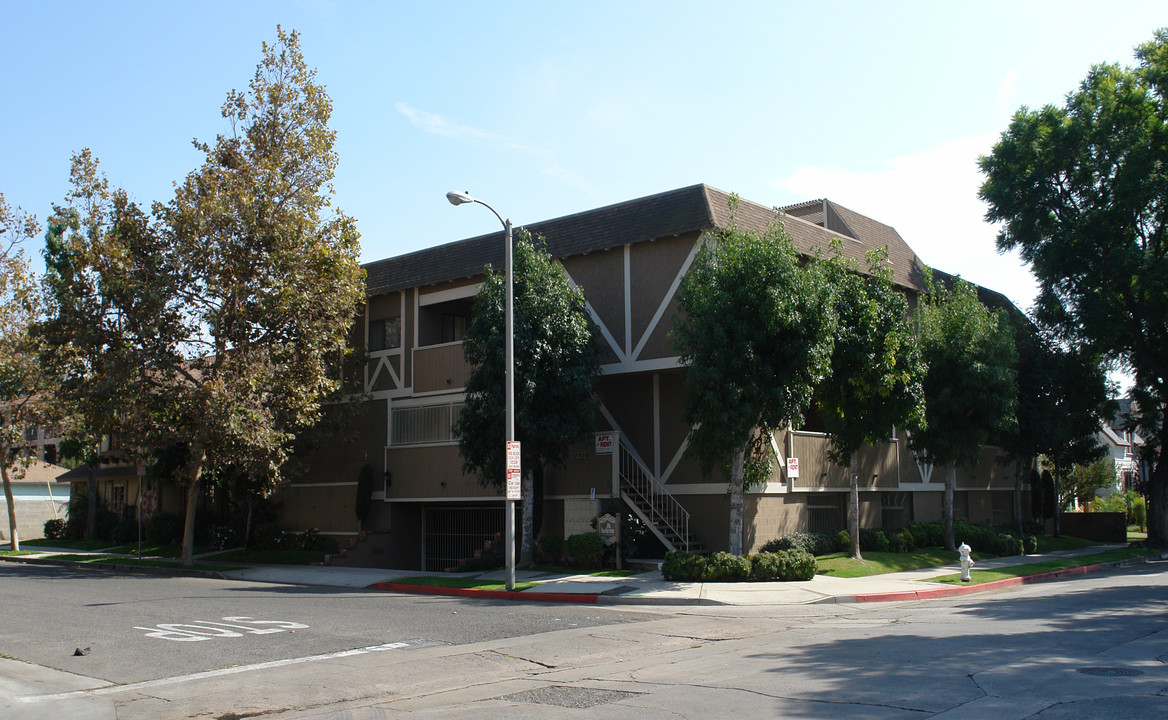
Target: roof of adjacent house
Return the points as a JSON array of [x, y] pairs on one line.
[[812, 225]]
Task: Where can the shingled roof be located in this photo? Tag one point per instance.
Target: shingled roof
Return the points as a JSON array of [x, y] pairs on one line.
[[812, 226]]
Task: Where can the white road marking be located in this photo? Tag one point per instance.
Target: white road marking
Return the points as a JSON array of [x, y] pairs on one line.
[[132, 687]]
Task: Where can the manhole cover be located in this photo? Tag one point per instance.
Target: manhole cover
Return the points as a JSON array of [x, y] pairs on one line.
[[569, 697], [1110, 672]]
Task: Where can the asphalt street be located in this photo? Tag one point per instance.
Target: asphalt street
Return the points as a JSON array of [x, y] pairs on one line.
[[1088, 647]]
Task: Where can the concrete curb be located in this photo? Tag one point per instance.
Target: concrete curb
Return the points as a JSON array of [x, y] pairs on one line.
[[944, 592]]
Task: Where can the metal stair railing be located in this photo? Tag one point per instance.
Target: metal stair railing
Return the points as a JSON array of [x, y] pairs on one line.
[[652, 502]]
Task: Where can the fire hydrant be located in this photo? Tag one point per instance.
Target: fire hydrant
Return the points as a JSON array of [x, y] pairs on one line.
[[966, 561]]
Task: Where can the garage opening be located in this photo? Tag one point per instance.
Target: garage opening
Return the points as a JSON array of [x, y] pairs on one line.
[[454, 534]]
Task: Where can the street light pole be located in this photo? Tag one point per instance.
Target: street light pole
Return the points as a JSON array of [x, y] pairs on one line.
[[457, 198]]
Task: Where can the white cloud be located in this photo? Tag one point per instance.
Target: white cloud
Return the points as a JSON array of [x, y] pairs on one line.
[[439, 125], [1004, 102], [930, 197]]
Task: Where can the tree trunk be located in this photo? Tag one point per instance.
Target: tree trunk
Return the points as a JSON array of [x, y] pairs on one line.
[[15, 536], [247, 526], [854, 506], [1058, 501], [91, 494], [736, 464], [188, 543], [526, 549], [947, 507], [1018, 498], [1156, 489]]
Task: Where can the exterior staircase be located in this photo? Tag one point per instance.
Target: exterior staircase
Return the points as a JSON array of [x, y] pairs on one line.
[[657, 508]]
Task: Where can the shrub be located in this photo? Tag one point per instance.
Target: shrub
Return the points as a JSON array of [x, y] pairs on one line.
[[223, 537], [163, 529], [724, 567], [875, 540], [585, 550], [906, 537], [816, 543], [54, 529], [1009, 545], [125, 532], [844, 540], [796, 565], [764, 567], [897, 544], [927, 534], [1030, 544], [550, 549], [269, 536], [107, 524], [684, 566]]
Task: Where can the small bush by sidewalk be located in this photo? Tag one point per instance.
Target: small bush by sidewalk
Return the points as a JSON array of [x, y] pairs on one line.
[[783, 565]]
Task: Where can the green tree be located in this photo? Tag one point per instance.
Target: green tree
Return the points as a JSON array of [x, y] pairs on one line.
[[754, 335], [105, 313], [556, 370], [265, 275], [1062, 395], [876, 370], [1081, 192], [1083, 479], [969, 383], [19, 371]]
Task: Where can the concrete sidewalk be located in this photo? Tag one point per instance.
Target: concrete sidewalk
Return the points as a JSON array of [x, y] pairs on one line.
[[650, 588]]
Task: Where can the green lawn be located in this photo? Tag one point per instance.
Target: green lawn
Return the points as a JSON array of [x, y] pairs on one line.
[[166, 551], [878, 563], [984, 576], [459, 582], [1048, 543], [135, 562], [17, 553]]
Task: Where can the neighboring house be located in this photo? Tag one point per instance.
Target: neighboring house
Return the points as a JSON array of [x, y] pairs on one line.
[[120, 488], [1125, 447], [39, 495], [629, 259]]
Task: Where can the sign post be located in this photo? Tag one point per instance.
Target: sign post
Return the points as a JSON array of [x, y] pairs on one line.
[[514, 472]]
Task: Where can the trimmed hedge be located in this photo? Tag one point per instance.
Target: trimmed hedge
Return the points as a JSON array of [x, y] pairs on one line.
[[585, 550], [783, 565], [816, 543]]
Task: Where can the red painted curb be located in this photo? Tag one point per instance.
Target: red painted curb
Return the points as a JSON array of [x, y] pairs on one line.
[[580, 598]]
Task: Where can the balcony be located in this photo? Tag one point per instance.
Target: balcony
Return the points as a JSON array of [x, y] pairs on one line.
[[440, 368]]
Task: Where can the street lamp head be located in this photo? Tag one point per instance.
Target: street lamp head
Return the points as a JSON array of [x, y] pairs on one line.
[[459, 198]]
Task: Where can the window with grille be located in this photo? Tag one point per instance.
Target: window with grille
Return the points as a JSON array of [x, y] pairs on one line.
[[895, 510], [825, 512], [425, 425]]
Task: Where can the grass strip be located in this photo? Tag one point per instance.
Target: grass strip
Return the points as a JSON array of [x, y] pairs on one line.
[[879, 563], [467, 583], [983, 576], [17, 553], [136, 562]]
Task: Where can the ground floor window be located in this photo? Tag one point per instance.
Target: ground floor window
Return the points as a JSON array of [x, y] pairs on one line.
[[117, 499], [895, 510], [825, 512]]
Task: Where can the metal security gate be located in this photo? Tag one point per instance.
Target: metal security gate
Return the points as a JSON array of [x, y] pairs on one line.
[[453, 534]]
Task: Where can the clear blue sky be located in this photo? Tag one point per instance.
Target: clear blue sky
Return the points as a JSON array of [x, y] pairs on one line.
[[548, 108]]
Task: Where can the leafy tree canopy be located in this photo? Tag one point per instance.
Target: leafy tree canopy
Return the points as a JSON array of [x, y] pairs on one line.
[[556, 366], [1081, 191]]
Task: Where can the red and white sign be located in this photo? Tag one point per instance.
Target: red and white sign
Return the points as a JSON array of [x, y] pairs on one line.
[[792, 467], [514, 472], [604, 442]]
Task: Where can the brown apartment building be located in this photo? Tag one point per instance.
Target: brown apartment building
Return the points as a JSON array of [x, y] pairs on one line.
[[629, 259]]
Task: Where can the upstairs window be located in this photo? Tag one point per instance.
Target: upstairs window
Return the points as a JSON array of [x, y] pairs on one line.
[[385, 334]]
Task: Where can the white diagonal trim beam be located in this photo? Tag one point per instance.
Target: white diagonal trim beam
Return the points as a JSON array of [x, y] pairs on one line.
[[612, 343], [693, 253]]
